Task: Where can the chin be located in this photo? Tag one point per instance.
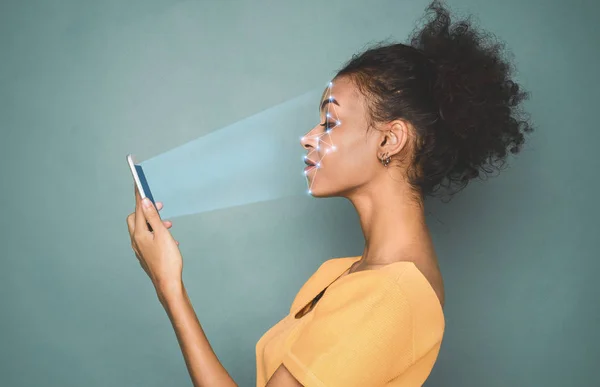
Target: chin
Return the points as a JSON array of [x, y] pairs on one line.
[[319, 194], [324, 192], [323, 187]]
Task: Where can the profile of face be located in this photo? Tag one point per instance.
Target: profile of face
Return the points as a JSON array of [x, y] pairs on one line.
[[343, 157]]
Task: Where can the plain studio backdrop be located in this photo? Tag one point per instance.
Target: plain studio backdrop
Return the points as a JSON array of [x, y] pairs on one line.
[[83, 83]]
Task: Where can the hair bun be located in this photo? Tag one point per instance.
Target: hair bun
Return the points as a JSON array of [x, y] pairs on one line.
[[478, 102], [452, 83]]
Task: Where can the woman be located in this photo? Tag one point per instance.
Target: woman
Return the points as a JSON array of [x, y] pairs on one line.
[[399, 123]]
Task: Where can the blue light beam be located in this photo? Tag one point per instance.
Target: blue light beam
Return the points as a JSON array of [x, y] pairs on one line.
[[253, 160]]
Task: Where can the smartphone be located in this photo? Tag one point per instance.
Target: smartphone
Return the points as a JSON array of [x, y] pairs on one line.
[[140, 180]]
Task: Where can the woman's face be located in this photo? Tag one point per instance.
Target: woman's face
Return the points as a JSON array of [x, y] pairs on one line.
[[341, 153]]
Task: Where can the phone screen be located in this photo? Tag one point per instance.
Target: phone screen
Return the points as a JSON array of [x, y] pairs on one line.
[[140, 176], [144, 182]]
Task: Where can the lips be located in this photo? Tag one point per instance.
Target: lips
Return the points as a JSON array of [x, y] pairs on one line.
[[309, 162]]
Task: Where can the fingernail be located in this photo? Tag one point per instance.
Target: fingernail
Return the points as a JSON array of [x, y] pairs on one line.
[[146, 202]]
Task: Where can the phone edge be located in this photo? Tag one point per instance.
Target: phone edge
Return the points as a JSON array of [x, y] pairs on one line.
[[136, 178]]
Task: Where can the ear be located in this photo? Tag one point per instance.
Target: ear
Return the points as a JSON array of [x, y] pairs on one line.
[[394, 138]]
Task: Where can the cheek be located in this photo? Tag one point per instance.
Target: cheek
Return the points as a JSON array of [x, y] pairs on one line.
[[351, 151]]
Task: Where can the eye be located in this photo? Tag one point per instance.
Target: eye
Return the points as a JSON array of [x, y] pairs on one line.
[[329, 124]]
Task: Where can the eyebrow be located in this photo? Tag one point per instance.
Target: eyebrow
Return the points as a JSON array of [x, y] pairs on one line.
[[328, 100]]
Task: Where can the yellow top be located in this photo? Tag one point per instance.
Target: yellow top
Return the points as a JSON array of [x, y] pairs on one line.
[[373, 328]]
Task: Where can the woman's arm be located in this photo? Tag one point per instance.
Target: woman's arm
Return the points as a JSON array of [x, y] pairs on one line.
[[159, 256], [202, 363]]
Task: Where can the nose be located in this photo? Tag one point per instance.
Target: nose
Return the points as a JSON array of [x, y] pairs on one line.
[[310, 140]]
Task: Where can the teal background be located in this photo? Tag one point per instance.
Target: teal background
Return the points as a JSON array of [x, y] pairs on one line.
[[83, 83]]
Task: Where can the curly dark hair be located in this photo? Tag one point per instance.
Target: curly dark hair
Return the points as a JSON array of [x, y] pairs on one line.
[[453, 84]]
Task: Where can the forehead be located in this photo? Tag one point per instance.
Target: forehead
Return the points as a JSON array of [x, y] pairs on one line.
[[345, 93]]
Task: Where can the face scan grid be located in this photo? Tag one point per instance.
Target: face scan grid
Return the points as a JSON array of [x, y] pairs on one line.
[[324, 143]]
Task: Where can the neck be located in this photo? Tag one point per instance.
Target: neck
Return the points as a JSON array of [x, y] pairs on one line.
[[393, 225]]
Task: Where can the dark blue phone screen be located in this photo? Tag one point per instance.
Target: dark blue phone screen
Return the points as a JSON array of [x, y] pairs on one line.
[[145, 187], [144, 182]]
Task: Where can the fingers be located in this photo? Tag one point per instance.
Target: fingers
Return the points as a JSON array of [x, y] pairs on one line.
[[168, 224], [140, 219], [131, 228], [131, 223], [136, 193], [131, 218], [137, 221], [151, 215]]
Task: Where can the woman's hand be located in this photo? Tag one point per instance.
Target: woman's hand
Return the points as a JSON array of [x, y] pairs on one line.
[[157, 251]]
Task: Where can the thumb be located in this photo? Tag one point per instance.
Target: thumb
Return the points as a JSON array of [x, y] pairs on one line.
[[151, 214]]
